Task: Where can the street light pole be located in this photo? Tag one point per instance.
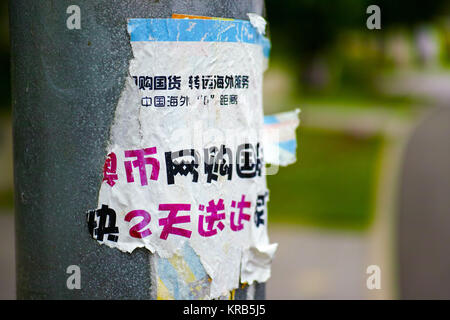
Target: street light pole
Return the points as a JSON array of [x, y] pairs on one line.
[[66, 84]]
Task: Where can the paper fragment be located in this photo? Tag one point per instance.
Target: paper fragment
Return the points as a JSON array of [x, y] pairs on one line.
[[280, 140]]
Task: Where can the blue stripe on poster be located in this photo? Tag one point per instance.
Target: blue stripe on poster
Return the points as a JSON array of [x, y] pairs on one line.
[[240, 31], [271, 120], [289, 145]]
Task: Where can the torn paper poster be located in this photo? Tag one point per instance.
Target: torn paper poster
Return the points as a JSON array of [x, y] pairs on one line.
[[184, 175], [280, 140]]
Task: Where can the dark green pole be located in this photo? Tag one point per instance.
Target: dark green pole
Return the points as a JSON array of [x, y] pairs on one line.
[[66, 85]]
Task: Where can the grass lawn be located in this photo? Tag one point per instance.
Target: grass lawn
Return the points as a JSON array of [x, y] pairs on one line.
[[332, 183], [6, 200]]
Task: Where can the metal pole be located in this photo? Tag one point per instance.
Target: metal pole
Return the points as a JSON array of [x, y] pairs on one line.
[[66, 84]]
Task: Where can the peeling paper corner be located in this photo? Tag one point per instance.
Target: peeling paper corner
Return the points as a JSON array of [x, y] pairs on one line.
[[258, 22], [256, 263]]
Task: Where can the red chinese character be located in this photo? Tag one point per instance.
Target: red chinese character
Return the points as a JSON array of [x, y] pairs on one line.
[[211, 219], [172, 219], [140, 163], [110, 169], [242, 216], [136, 231]]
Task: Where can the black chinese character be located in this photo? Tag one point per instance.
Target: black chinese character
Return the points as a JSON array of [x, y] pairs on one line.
[[194, 82], [160, 101], [248, 161], [182, 167], [237, 82], [207, 82], [173, 101], [160, 83], [260, 207], [219, 82], [229, 83], [184, 101], [106, 224], [245, 82], [174, 82], [216, 163], [223, 99], [146, 102], [143, 82]]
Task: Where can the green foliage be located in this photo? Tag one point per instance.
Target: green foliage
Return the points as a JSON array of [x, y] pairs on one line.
[[331, 185], [5, 87], [304, 28], [6, 200]]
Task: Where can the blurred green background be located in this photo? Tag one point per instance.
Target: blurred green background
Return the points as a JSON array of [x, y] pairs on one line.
[[6, 174], [326, 62]]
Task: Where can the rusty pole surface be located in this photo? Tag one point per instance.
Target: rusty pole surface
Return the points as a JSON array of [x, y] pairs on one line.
[[66, 85]]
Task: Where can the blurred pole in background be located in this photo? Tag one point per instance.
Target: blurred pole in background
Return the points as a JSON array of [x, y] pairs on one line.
[[65, 88], [424, 221]]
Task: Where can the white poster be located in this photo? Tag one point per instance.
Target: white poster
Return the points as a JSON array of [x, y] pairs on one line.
[[185, 163]]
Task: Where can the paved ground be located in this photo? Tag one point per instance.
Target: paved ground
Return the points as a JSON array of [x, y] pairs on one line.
[[430, 84], [424, 198], [313, 264], [424, 215], [7, 266]]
